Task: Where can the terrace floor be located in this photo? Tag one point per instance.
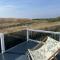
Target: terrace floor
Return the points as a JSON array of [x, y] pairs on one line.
[[19, 52]]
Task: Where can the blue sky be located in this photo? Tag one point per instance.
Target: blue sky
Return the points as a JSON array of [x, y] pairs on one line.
[[29, 8]]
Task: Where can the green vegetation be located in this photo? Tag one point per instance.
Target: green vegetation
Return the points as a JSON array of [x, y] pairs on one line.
[[49, 19]]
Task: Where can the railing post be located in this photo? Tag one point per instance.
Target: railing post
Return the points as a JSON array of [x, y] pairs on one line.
[[59, 37], [2, 43], [27, 34]]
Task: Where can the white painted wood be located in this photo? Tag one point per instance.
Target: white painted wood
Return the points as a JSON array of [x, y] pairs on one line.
[[2, 43]]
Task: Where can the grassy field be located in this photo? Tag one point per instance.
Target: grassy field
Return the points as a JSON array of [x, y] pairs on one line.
[[10, 25]]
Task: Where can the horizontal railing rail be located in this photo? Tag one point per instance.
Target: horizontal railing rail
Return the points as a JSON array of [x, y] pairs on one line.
[[43, 31]]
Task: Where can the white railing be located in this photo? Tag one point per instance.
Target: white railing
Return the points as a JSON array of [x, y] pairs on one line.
[[28, 30], [43, 31], [2, 43]]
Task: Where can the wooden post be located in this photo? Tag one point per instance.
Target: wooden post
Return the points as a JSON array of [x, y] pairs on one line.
[[2, 43]]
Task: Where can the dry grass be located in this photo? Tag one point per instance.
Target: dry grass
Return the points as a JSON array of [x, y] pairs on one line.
[[6, 21], [44, 25], [34, 25]]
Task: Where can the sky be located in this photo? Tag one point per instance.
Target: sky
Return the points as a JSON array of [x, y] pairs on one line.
[[29, 8]]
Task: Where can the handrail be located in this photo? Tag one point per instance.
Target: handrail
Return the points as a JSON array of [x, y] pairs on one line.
[[43, 31]]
